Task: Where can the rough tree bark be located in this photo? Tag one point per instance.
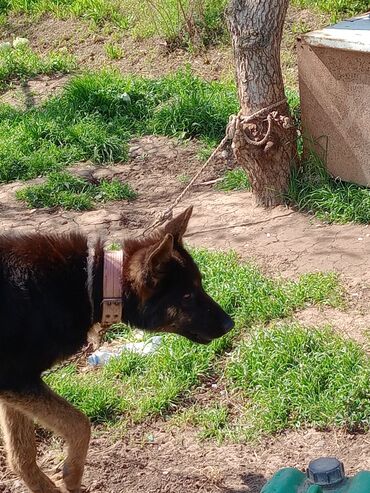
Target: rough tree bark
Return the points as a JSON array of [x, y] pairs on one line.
[[264, 144]]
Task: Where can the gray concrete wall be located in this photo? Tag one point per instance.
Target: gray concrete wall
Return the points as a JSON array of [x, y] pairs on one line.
[[335, 99]]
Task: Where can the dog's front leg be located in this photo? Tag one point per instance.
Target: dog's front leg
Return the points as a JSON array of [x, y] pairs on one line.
[[56, 414], [20, 443]]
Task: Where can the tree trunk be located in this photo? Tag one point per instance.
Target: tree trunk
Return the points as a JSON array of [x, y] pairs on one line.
[[264, 144]]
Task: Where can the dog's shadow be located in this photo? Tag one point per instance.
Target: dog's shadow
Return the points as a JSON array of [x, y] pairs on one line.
[[253, 483]]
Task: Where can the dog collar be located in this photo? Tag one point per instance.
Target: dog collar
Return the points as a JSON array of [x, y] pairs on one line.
[[112, 288]]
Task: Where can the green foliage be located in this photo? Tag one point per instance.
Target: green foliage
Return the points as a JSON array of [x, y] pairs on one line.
[[292, 376], [194, 107], [134, 387], [236, 179], [250, 297], [71, 192], [113, 51], [313, 189], [180, 21], [212, 420], [22, 62], [184, 22], [98, 12], [337, 8], [97, 113]]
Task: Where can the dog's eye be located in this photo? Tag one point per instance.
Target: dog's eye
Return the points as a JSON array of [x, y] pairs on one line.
[[187, 298]]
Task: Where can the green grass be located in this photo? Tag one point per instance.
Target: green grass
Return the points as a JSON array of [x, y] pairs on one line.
[[113, 51], [236, 179], [17, 64], [185, 22], [312, 189], [97, 113], [180, 23], [210, 419], [337, 8], [133, 387], [290, 376], [97, 12], [71, 192]]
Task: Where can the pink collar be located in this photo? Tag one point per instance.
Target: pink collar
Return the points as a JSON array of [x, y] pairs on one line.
[[112, 288]]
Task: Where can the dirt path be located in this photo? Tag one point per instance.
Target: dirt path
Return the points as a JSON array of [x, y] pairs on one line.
[[177, 462], [282, 242]]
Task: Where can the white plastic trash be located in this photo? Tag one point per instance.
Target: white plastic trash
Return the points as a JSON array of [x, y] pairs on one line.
[[102, 356]]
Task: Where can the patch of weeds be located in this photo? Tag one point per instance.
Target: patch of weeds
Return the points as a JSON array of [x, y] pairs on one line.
[[188, 24], [22, 62], [251, 297], [206, 149], [194, 107], [337, 8], [184, 23], [300, 27], [114, 190], [95, 115], [113, 51], [236, 179], [117, 331], [48, 138], [312, 189], [97, 12], [97, 397], [294, 103], [72, 192], [292, 376], [212, 421], [184, 179], [142, 386]]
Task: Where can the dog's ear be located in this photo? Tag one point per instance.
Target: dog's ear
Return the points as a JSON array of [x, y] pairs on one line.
[[177, 226], [159, 256], [148, 265]]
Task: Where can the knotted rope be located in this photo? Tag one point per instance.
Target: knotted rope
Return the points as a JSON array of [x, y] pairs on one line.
[[164, 216]]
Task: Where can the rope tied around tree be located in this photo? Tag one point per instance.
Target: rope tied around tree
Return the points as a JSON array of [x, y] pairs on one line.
[[234, 123]]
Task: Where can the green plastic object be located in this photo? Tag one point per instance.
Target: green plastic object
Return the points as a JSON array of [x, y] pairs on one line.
[[324, 475]]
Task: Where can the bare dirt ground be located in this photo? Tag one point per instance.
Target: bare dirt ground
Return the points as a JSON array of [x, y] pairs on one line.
[[177, 462], [283, 243]]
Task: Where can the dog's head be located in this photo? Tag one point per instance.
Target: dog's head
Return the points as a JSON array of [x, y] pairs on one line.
[[166, 292]]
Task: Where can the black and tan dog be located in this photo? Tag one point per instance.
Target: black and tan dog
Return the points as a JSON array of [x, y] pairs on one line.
[[51, 295]]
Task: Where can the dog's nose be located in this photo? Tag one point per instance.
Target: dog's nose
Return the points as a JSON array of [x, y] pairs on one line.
[[227, 325]]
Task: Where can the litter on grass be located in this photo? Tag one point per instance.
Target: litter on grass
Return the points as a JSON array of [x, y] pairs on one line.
[[103, 355]]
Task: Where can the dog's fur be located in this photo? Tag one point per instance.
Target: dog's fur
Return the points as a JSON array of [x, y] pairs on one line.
[[47, 308]]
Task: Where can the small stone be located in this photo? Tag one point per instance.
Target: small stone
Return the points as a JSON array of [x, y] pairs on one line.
[[19, 42]]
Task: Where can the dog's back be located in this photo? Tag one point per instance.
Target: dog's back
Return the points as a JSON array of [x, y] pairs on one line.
[[44, 315]]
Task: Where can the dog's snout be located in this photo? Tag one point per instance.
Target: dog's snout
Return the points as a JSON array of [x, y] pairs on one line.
[[227, 325]]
